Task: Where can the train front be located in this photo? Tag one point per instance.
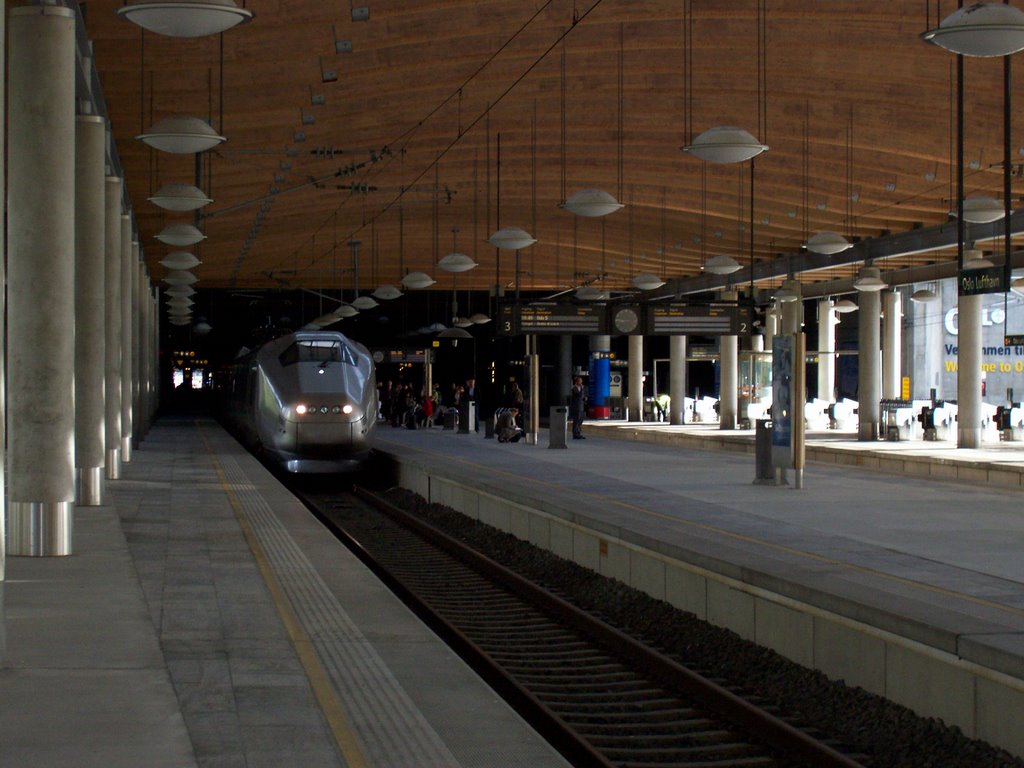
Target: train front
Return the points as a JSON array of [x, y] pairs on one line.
[[316, 402]]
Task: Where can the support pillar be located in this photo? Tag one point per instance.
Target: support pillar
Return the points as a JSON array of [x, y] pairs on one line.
[[564, 369], [532, 422], [677, 379], [129, 249], [869, 378], [968, 372], [90, 298], [728, 385], [600, 376], [892, 320], [138, 275], [3, 364], [827, 321], [112, 314], [41, 280], [636, 378]]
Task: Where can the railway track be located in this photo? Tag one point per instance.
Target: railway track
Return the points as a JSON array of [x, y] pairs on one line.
[[599, 696]]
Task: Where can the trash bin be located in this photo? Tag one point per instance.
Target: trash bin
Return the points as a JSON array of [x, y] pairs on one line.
[[558, 418], [451, 419], [489, 427], [765, 472], [467, 417]]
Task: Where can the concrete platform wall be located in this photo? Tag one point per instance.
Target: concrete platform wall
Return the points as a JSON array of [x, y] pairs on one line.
[[983, 703]]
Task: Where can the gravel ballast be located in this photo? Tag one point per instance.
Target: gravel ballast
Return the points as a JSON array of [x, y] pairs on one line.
[[892, 736]]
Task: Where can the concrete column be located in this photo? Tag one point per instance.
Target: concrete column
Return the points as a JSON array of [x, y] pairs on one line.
[[138, 276], [41, 280], [677, 379], [600, 376], [728, 389], [771, 325], [869, 378], [827, 322], [129, 249], [968, 373], [155, 387], [112, 314], [636, 378], [90, 299], [892, 320], [142, 304], [791, 312], [3, 366], [564, 375]]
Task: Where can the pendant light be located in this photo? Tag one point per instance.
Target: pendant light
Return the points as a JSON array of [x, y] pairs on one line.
[[181, 136], [721, 264], [180, 197], [417, 280], [180, 235], [180, 277], [185, 18], [980, 29], [386, 292], [180, 290], [974, 258], [479, 318], [982, 210], [725, 144], [924, 295], [180, 260], [828, 243], [870, 281], [202, 328], [511, 239], [845, 306]]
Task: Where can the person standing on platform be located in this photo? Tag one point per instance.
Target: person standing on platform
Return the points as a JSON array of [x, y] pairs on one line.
[[577, 407], [517, 396]]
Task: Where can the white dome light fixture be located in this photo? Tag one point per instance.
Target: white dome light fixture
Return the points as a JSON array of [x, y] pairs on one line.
[[180, 260], [828, 243], [592, 203], [721, 265], [589, 293], [647, 281], [180, 197], [975, 259], [511, 239], [345, 311], [417, 280], [845, 306], [180, 235], [180, 290], [924, 296], [364, 302], [181, 136], [980, 29], [180, 320], [456, 262], [725, 144], [185, 18], [982, 210], [454, 333], [180, 277], [387, 292], [787, 292], [479, 319], [180, 301], [462, 322], [870, 281], [202, 328], [436, 327]]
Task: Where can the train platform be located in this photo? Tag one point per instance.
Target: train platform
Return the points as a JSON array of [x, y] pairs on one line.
[[207, 619], [908, 584]]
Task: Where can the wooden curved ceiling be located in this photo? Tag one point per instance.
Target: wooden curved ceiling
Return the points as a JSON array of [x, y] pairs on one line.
[[419, 104]]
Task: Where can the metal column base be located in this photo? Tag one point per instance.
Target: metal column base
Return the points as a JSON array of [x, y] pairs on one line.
[[40, 528], [126, 449], [90, 486], [113, 463]]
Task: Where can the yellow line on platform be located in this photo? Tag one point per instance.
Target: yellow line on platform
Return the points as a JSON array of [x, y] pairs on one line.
[[337, 721]]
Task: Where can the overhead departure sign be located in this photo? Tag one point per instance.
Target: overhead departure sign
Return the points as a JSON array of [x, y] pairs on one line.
[[552, 317], [689, 320]]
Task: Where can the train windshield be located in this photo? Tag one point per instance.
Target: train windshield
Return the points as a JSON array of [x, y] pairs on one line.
[[313, 351]]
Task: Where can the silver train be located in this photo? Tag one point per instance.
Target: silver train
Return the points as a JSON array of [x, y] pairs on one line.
[[306, 401]]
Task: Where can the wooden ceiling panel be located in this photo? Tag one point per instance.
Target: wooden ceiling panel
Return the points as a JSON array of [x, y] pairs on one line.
[[841, 66]]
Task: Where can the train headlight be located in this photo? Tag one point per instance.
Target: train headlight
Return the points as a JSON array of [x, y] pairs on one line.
[[346, 409], [301, 410]]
